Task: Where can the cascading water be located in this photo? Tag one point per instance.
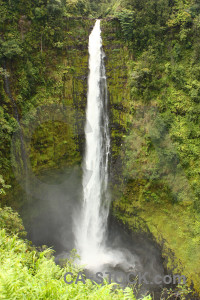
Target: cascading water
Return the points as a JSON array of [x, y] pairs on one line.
[[90, 234], [91, 223]]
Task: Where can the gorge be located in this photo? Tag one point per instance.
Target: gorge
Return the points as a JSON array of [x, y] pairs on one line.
[[146, 183]]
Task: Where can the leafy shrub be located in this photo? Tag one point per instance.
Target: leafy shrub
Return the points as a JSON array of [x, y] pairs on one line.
[[11, 222], [28, 274], [10, 49]]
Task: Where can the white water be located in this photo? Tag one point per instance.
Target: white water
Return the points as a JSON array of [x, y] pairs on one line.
[[91, 224], [91, 232]]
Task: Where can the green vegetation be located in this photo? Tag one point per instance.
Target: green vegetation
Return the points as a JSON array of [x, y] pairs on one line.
[[45, 59], [153, 70], [27, 273], [161, 146]]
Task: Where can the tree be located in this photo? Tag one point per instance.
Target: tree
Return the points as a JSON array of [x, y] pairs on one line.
[[10, 48]]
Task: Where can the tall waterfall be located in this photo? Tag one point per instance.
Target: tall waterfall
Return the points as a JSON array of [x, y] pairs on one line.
[[90, 233]]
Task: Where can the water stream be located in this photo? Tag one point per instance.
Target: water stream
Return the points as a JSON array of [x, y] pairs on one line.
[[90, 232]]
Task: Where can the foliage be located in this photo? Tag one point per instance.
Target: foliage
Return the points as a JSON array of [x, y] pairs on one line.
[[162, 77], [160, 155], [126, 18], [10, 49], [3, 186], [27, 273], [44, 50], [41, 60], [11, 222]]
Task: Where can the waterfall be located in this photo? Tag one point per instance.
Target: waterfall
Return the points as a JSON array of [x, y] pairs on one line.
[[91, 222], [91, 229]]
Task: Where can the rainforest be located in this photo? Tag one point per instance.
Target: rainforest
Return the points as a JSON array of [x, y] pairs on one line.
[[100, 149]]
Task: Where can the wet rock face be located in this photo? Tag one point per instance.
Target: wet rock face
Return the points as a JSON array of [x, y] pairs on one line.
[[118, 90]]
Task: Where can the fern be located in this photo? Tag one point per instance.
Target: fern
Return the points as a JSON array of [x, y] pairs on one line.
[[26, 274], [128, 294]]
